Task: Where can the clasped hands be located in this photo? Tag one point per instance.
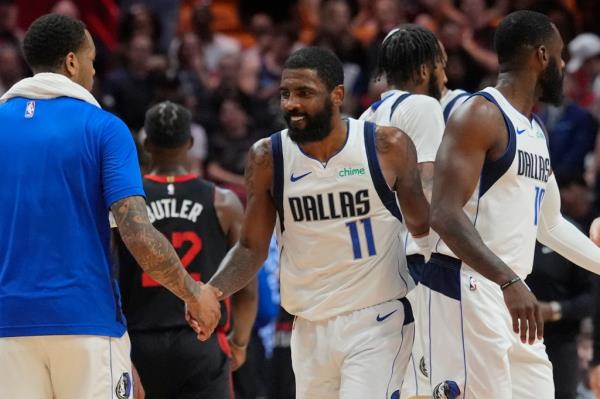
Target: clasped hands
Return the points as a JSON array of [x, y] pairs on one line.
[[203, 311]]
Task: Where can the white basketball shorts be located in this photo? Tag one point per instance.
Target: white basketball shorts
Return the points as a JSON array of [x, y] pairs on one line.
[[356, 355], [472, 349], [65, 367]]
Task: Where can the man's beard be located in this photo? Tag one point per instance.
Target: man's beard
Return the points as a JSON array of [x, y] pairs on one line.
[[317, 126], [434, 89], [551, 84]]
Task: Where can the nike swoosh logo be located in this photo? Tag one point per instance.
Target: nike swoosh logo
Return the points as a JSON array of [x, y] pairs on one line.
[[382, 318], [296, 178], [520, 131]]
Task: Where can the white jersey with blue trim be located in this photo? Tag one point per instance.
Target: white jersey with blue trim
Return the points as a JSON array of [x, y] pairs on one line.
[[505, 205], [451, 100], [339, 228], [420, 117]]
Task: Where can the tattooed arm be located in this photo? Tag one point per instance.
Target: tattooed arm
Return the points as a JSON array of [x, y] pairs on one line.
[[398, 159], [157, 257], [247, 256], [244, 303]]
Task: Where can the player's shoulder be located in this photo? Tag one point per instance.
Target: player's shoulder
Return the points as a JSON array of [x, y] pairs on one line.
[[227, 200], [477, 108], [418, 107], [262, 150], [104, 121], [389, 137], [422, 101]]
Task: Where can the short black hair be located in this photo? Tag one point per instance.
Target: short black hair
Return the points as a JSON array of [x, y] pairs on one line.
[[521, 31], [168, 125], [404, 50], [50, 38], [327, 65]]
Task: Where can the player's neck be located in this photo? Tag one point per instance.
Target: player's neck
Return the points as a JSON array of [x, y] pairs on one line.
[[169, 169], [519, 89], [324, 149]]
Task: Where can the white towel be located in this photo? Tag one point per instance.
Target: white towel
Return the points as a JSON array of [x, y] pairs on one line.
[[46, 85]]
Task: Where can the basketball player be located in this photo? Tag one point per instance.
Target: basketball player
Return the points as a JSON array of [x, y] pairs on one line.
[[65, 163], [412, 61], [331, 183], [493, 194], [202, 222]]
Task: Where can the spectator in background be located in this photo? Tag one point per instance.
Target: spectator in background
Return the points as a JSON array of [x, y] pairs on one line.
[[261, 27], [165, 15], [170, 89], [138, 19], [229, 145], [364, 25], [214, 44], [462, 68], [9, 31], [333, 32], [584, 64], [571, 134], [66, 7], [128, 91], [188, 64], [388, 15], [11, 67], [269, 73], [564, 291]]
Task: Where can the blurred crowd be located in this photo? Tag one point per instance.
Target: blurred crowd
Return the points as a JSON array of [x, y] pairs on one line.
[[223, 60]]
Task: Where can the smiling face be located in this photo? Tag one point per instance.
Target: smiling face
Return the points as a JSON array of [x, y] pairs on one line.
[[307, 105]]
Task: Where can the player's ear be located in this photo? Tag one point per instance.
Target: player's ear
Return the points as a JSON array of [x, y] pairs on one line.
[[71, 65], [337, 95], [543, 55], [146, 145], [424, 72], [191, 142]]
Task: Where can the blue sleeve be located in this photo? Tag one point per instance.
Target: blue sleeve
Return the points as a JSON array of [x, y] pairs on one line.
[[121, 176]]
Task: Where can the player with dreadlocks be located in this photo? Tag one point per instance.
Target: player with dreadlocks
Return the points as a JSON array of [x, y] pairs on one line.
[[412, 61], [202, 222]]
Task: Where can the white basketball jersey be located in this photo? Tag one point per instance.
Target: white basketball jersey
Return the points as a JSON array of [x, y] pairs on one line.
[[451, 100], [339, 228], [505, 206], [420, 117]]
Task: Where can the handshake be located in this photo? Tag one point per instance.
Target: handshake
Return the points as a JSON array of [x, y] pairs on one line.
[[203, 311]]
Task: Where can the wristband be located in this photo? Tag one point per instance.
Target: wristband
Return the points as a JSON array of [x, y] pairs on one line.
[[509, 283], [556, 311]]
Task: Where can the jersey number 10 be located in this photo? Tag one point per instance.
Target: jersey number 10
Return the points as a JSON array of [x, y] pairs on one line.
[[539, 196], [354, 237]]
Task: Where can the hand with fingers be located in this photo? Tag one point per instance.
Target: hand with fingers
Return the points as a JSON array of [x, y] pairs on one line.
[[524, 309], [238, 354], [203, 311]]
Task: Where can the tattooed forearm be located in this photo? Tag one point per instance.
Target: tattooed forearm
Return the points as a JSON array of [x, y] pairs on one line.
[[150, 248], [236, 270]]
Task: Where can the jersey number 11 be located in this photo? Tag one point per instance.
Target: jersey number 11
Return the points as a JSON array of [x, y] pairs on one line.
[[354, 237]]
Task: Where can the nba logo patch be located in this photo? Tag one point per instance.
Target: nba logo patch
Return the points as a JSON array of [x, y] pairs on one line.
[[29, 109], [472, 283], [123, 388]]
